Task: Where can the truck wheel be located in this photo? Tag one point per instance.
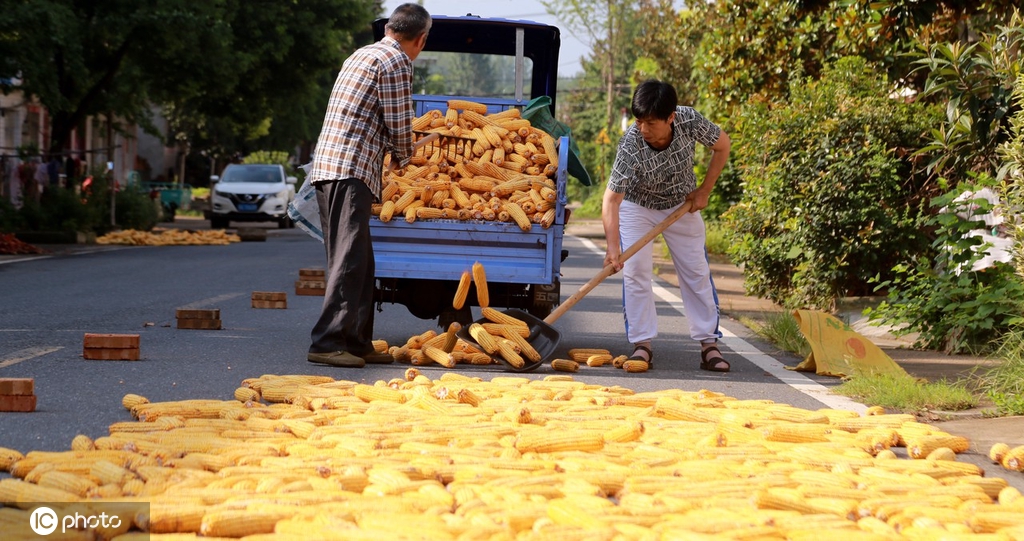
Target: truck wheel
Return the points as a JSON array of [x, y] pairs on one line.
[[170, 211], [285, 223]]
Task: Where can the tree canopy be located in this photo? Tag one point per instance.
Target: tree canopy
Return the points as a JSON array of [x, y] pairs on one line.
[[224, 69]]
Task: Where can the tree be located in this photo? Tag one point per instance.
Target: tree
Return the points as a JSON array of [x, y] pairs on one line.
[[107, 57], [235, 64], [668, 39], [606, 26]]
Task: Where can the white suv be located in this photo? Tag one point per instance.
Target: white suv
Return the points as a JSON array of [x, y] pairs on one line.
[[251, 193]]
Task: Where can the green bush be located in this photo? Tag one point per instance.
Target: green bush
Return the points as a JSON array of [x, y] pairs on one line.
[[829, 197], [954, 308], [60, 209]]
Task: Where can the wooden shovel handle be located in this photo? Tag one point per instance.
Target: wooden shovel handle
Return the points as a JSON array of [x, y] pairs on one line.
[[609, 270]]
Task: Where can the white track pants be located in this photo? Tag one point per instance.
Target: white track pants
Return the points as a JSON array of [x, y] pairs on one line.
[[685, 241]]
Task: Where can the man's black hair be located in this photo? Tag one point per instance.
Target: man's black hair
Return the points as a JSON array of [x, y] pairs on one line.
[[654, 100], [408, 21]]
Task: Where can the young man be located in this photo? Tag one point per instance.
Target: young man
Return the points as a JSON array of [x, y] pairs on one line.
[[652, 176], [369, 114]]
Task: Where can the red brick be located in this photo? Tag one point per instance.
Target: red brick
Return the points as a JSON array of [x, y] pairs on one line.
[[17, 386], [213, 313], [269, 296], [111, 354], [19, 403], [310, 291], [311, 274], [93, 340], [269, 304], [207, 324]]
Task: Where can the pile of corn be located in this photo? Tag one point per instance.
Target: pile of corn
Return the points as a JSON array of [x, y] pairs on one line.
[[484, 167], [458, 458], [169, 237]]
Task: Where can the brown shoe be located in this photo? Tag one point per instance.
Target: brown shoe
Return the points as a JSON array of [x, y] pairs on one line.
[[336, 358], [378, 358]]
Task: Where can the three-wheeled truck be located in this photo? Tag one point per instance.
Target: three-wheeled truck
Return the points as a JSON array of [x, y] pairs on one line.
[[503, 64]]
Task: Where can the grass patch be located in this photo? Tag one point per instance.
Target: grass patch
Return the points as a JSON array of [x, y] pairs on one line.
[[1004, 384], [906, 394], [782, 330]]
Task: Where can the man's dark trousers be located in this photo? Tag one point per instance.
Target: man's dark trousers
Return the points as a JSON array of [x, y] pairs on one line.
[[346, 323]]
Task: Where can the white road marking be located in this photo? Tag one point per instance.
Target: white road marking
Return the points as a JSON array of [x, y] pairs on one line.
[[211, 300], [33, 258], [27, 354], [762, 360]]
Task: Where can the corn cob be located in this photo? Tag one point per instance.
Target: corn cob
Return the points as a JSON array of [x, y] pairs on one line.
[[404, 201], [502, 318], [387, 210], [245, 394], [466, 105], [582, 354], [541, 441], [484, 338], [634, 366], [480, 279], [68, 482], [439, 356], [410, 211], [82, 442], [514, 334], [389, 192], [565, 365], [626, 432], [1013, 459], [131, 400], [1009, 496], [371, 393], [519, 215], [921, 446], [422, 122], [507, 352], [479, 359], [997, 452], [241, 522], [599, 359]]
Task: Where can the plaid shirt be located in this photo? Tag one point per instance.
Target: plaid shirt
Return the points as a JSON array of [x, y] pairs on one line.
[[661, 179], [369, 114]]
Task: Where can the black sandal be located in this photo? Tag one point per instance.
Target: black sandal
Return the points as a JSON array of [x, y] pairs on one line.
[[712, 365], [650, 356]]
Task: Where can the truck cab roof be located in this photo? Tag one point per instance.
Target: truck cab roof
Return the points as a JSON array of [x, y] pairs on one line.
[[532, 46]]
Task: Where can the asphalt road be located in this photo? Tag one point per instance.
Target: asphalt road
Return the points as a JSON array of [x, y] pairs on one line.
[[48, 304]]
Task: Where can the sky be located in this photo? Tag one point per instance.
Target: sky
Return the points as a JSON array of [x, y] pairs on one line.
[[531, 10]]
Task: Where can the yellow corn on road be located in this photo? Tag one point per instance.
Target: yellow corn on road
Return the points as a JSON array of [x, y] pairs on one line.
[[170, 237], [302, 457]]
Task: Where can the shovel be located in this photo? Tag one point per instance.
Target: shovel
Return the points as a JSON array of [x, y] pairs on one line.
[[543, 336]]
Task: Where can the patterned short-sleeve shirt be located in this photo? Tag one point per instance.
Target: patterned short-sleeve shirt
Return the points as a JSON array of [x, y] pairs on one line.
[[661, 179], [369, 113]]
